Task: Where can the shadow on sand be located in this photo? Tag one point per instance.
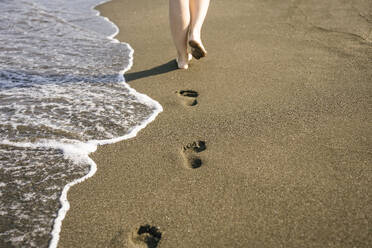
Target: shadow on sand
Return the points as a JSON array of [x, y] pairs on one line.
[[161, 69]]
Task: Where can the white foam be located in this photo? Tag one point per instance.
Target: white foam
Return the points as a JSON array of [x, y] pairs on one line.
[[83, 150], [53, 101]]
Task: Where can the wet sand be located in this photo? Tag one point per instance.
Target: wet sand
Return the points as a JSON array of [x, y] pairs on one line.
[[264, 143]]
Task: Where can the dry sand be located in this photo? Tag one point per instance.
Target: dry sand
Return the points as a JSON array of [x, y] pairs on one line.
[[284, 111]]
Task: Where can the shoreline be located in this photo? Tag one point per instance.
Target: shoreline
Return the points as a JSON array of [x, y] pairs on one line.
[[87, 148], [277, 133]]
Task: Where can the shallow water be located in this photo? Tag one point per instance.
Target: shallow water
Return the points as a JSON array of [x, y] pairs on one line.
[[61, 92]]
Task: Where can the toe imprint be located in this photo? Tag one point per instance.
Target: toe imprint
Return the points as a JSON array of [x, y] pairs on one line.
[[145, 236], [190, 154], [189, 97]]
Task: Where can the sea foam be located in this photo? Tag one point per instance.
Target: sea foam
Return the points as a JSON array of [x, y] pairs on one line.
[[62, 94]]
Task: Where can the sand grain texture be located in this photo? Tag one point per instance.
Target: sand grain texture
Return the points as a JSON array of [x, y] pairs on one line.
[[284, 108]]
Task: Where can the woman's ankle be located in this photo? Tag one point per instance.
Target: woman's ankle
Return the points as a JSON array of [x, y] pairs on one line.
[[182, 61], [194, 34]]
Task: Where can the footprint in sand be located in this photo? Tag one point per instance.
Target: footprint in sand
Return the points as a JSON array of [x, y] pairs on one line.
[[188, 97], [190, 154], [145, 236]]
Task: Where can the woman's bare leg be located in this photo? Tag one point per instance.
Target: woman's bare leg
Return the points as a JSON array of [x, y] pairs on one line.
[[198, 12], [179, 19]]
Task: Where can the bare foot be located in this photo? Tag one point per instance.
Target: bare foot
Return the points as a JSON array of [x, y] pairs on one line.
[[181, 62], [189, 56], [197, 48]]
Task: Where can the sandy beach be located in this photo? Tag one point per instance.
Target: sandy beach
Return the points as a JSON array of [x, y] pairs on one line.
[[266, 142]]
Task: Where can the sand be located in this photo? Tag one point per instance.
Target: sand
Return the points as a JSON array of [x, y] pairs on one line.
[[270, 148]]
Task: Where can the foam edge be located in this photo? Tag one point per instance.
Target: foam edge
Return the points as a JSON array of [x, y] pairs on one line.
[[57, 227]]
